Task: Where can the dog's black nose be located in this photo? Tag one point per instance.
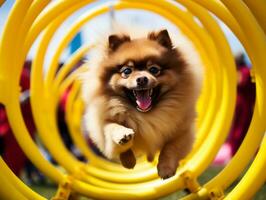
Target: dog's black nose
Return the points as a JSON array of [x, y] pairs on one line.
[[142, 81]]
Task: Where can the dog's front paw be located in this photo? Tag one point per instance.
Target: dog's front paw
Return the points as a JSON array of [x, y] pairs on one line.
[[123, 135], [165, 171], [125, 139]]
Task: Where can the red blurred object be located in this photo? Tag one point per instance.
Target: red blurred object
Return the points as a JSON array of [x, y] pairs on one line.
[[246, 92], [12, 153], [4, 126]]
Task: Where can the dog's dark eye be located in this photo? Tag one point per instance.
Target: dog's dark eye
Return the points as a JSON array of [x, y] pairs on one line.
[[155, 70], [125, 71]]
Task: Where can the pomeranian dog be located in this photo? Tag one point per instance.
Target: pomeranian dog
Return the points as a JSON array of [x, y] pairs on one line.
[[140, 99]]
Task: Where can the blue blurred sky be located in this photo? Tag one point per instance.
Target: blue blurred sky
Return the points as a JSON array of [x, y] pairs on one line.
[[92, 28]]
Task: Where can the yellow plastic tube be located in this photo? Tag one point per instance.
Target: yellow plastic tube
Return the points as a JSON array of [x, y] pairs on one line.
[[256, 130], [60, 153], [245, 18], [61, 47], [58, 56], [253, 179], [99, 174], [17, 183], [38, 90], [9, 95], [68, 66], [258, 9], [8, 191], [208, 149]]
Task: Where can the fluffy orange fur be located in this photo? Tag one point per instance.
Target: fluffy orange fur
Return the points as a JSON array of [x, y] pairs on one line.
[[117, 127]]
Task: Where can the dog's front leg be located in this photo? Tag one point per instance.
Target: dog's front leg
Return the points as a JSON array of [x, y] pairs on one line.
[[119, 140], [172, 153]]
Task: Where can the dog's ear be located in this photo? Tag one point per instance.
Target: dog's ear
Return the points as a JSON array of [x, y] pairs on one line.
[[116, 40], [162, 37]]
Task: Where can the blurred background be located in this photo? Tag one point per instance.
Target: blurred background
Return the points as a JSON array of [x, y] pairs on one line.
[[89, 33]]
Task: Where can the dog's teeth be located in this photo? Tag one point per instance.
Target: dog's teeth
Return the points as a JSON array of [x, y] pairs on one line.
[[150, 93], [134, 92]]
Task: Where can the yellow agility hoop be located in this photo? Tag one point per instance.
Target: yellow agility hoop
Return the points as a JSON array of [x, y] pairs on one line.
[[102, 179]]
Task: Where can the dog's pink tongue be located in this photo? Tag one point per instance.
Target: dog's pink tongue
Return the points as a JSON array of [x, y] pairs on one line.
[[143, 99]]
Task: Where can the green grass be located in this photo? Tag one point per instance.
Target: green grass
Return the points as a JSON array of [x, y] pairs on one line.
[[44, 190], [49, 191]]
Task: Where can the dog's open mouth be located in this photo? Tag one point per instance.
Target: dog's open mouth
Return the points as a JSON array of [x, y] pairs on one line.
[[143, 99]]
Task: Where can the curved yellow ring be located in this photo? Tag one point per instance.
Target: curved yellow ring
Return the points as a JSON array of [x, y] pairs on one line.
[[52, 106], [26, 21]]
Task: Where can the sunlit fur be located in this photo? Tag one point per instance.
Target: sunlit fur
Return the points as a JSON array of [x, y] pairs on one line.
[[168, 127]]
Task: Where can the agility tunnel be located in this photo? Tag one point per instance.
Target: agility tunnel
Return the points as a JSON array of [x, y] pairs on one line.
[[99, 178]]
